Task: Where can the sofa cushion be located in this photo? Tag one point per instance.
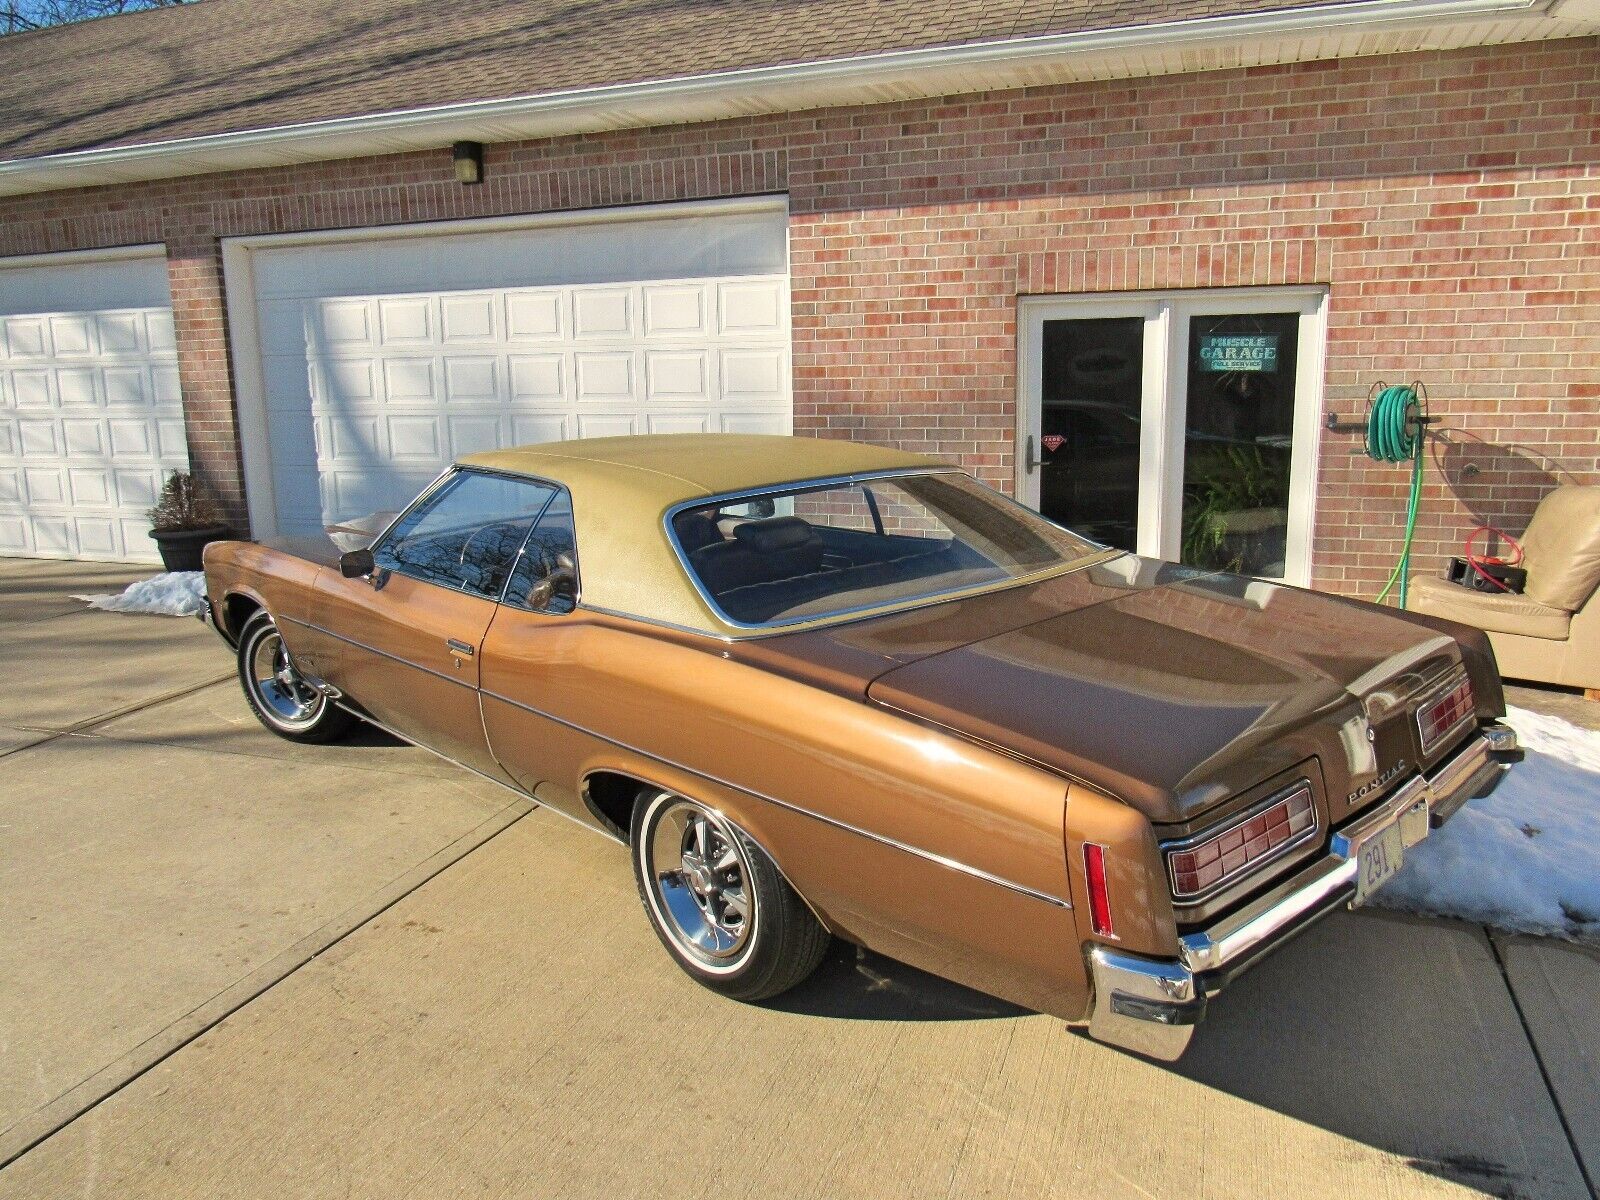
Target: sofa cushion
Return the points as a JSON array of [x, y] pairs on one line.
[[1492, 611], [1562, 548]]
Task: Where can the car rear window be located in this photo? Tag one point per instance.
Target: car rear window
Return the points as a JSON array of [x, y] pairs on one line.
[[810, 552]]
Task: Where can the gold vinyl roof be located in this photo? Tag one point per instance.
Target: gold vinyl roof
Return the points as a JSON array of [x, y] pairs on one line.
[[622, 488]]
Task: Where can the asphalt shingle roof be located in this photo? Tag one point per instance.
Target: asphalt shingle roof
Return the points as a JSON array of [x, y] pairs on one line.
[[221, 66]]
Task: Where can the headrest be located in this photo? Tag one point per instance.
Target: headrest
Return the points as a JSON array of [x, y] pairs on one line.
[[1562, 548], [775, 535], [694, 530]]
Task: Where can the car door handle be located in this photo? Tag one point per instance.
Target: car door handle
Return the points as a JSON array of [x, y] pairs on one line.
[[459, 647]]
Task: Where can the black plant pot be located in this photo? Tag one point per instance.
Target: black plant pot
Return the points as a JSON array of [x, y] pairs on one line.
[[181, 548]]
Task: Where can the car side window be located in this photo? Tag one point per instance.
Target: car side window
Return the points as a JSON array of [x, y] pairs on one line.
[[465, 536], [545, 578]]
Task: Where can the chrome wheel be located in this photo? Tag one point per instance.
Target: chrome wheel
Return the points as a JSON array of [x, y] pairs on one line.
[[699, 883], [283, 696]]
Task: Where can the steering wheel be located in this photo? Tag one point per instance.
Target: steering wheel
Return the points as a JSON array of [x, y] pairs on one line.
[[461, 558]]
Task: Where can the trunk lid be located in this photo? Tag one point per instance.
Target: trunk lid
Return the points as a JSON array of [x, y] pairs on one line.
[[1178, 690]]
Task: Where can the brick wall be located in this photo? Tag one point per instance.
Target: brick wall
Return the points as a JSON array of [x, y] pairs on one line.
[[1449, 201]]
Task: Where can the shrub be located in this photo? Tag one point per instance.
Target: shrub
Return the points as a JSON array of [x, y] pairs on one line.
[[183, 504]]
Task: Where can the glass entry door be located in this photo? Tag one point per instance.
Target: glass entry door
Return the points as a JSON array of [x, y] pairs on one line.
[[1182, 426]]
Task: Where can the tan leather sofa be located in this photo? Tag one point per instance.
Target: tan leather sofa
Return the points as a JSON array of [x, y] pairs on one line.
[[1550, 633]]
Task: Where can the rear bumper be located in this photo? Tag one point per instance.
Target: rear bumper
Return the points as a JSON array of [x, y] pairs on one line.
[[1152, 1005]]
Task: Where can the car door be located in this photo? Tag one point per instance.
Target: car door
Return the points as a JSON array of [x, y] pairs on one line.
[[533, 630], [410, 633]]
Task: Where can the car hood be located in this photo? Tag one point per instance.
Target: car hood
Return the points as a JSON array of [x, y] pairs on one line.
[[1176, 690]]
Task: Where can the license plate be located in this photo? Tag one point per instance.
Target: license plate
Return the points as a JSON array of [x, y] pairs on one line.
[[1377, 861]]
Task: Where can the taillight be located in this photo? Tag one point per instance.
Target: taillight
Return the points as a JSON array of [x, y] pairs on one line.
[[1199, 868], [1438, 719], [1094, 870]]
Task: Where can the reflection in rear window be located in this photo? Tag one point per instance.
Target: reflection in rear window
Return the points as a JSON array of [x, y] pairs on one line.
[[813, 552]]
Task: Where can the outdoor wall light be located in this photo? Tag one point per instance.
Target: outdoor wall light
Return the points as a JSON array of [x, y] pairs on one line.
[[469, 161]]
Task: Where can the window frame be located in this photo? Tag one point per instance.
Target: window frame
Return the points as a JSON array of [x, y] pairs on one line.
[[444, 479], [1098, 553], [1167, 315], [577, 568]]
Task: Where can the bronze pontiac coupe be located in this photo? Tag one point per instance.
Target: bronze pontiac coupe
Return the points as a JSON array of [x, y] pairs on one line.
[[823, 689]]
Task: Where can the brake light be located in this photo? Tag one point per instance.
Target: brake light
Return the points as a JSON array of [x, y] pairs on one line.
[[1244, 845], [1094, 870], [1439, 718]]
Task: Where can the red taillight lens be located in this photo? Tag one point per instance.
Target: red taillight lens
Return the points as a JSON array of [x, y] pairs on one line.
[[1094, 870], [1437, 719], [1223, 857]]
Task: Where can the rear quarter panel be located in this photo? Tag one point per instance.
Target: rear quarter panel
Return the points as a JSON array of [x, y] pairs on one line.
[[864, 811]]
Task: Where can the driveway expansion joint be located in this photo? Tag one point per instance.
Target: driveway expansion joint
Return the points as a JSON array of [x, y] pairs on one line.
[[1544, 1070]]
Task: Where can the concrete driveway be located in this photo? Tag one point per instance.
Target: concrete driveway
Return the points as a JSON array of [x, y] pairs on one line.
[[230, 966]]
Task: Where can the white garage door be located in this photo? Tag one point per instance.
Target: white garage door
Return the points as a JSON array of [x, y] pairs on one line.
[[382, 360], [91, 417]]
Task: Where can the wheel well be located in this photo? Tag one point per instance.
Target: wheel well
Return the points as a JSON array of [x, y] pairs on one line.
[[610, 796], [236, 611]]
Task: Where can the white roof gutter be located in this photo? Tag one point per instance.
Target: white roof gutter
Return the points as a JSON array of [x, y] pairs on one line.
[[1328, 31]]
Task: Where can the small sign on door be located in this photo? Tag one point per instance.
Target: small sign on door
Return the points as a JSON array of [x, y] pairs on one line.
[[1239, 352]]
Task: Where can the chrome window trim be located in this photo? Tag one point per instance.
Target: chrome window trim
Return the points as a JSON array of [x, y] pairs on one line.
[[840, 615], [1452, 680], [1178, 845]]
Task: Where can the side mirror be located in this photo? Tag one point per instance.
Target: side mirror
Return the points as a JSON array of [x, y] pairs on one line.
[[356, 564]]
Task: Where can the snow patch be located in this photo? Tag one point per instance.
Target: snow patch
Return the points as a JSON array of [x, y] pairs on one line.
[[1527, 858], [172, 594]]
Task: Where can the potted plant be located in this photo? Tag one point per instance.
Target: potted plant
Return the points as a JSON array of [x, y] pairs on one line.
[[183, 521]]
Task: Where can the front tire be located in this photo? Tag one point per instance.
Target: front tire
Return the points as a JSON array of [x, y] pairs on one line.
[[718, 903], [281, 700]]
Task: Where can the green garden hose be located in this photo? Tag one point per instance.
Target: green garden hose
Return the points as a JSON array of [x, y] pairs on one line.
[[1395, 420]]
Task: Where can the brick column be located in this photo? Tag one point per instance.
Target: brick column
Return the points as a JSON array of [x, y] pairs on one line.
[[194, 275]]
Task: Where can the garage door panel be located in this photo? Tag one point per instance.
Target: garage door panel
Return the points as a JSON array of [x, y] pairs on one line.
[[469, 318], [603, 376], [405, 353], [677, 376], [754, 307], [471, 378], [675, 311], [533, 316], [15, 535], [32, 389], [93, 408], [679, 423], [609, 425], [754, 423], [469, 435], [533, 428], [754, 374]]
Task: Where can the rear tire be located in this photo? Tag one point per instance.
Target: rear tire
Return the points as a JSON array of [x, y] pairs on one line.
[[276, 693], [718, 903]]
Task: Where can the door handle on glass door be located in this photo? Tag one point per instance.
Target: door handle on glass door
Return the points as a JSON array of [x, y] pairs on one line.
[[1033, 464], [461, 648]]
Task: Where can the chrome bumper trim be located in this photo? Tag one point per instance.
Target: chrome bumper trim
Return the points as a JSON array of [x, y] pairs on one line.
[[1160, 999]]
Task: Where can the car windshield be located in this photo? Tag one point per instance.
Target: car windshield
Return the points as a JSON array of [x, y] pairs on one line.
[[810, 552]]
